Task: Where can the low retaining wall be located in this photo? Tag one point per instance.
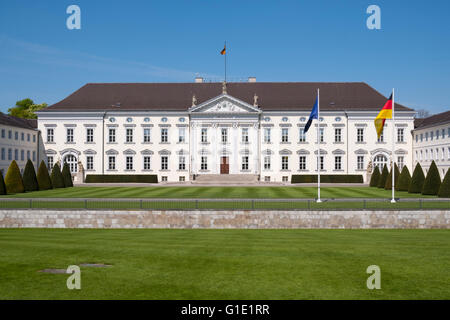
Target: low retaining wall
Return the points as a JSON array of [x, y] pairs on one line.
[[222, 219]]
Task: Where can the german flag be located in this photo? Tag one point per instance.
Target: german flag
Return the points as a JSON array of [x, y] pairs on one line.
[[385, 113], [224, 50]]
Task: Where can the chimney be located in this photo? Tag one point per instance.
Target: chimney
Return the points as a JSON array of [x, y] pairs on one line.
[[251, 79], [198, 80]]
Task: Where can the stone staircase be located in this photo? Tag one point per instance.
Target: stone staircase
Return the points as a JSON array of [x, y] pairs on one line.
[[226, 179]]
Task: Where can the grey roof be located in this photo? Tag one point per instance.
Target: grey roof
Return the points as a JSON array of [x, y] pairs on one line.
[[434, 120], [18, 122]]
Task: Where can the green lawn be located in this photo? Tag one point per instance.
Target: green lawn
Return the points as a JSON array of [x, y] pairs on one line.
[[226, 264]]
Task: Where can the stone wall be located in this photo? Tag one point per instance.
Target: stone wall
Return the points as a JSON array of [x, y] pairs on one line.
[[15, 218]]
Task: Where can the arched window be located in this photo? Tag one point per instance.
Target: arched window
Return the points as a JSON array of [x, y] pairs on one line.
[[71, 160], [380, 161]]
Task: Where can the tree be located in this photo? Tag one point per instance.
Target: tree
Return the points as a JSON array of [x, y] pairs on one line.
[[30, 182], [43, 177], [26, 109], [13, 179], [417, 180], [404, 180], [56, 177], [2, 184], [383, 177], [375, 177], [432, 181], [444, 190], [67, 176], [388, 184]]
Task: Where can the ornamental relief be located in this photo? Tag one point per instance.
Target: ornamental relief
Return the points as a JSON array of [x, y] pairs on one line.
[[225, 106]]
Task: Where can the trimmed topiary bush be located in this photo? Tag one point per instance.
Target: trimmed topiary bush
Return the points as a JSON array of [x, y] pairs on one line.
[[404, 180], [67, 176], [388, 185], [2, 184], [417, 180], [375, 177], [432, 181], [13, 179], [444, 190], [56, 177], [43, 178], [29, 177], [383, 177]]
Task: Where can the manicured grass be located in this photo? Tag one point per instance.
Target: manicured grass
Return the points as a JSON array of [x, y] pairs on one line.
[[226, 264], [214, 192]]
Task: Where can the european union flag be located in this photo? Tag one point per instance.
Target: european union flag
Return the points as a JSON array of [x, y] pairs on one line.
[[313, 115]]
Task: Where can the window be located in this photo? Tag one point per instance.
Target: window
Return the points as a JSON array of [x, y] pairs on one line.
[[50, 135], [337, 135], [426, 136], [182, 135], [9, 154], [129, 135], [129, 163], [400, 162], [34, 156], [146, 135], [16, 135], [321, 134], [164, 135], [72, 163], [267, 137], [285, 179], [147, 163], [16, 154], [360, 162], [360, 135], [22, 136], [3, 133], [381, 138], [266, 162], [337, 163], [89, 135], [164, 163], [112, 136], [284, 135], [321, 164], [224, 135], [182, 163], [266, 178], [9, 134], [28, 137], [34, 138], [443, 133], [245, 163], [28, 154], [50, 162], [302, 163], [204, 135], [204, 163], [437, 134], [284, 163], [69, 135], [89, 163], [22, 155], [379, 161], [431, 135], [421, 137], [111, 163], [417, 138], [181, 178], [301, 135], [164, 178], [400, 135], [443, 154], [3, 153], [245, 135]]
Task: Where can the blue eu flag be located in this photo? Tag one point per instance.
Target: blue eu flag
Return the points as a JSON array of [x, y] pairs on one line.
[[313, 115]]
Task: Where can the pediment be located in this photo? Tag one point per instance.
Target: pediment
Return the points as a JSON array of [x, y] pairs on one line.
[[224, 104]]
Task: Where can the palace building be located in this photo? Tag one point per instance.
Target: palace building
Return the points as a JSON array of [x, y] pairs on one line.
[[180, 131]]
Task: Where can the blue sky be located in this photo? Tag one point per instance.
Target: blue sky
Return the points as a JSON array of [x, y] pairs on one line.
[[172, 41]]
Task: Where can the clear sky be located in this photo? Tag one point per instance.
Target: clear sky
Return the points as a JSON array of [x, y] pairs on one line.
[[277, 40]]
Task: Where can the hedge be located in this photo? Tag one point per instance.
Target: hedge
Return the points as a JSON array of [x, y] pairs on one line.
[[327, 178], [124, 178], [56, 177], [404, 180], [2, 184], [29, 177], [375, 177], [444, 190], [43, 178], [383, 177], [388, 185], [13, 179], [67, 176], [432, 182], [417, 180]]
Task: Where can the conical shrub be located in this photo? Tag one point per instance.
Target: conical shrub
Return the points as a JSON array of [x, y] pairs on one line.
[[404, 180], [375, 177], [444, 190], [56, 177], [43, 178], [2, 184], [67, 176], [29, 177], [383, 177], [417, 180], [388, 185], [432, 181], [13, 179]]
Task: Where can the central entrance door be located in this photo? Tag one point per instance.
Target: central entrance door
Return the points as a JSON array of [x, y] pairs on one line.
[[224, 165]]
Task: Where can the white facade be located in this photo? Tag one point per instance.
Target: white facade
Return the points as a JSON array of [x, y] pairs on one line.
[[223, 135]]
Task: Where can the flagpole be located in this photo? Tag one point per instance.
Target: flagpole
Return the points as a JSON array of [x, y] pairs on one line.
[[393, 147], [318, 146], [225, 61]]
